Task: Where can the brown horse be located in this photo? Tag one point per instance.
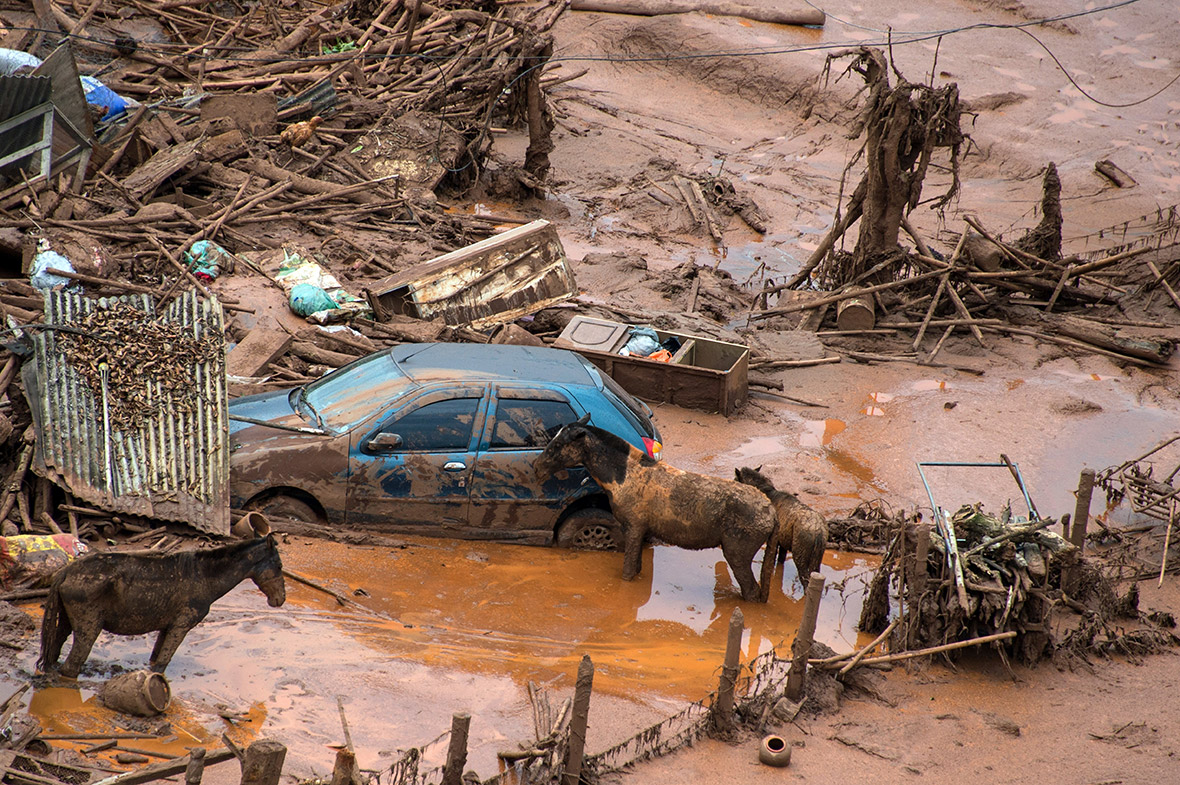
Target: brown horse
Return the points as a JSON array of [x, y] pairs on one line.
[[136, 593], [801, 530], [689, 510]]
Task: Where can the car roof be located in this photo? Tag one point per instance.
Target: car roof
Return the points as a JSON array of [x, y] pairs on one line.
[[426, 362]]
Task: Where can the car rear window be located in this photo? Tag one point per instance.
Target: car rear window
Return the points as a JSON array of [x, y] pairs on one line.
[[630, 408], [346, 397]]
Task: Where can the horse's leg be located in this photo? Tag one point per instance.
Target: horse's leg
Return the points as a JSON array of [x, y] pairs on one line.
[[769, 559], [739, 554], [633, 550], [167, 643], [85, 634]]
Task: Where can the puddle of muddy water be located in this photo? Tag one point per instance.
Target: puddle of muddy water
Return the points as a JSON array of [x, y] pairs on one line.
[[459, 627]]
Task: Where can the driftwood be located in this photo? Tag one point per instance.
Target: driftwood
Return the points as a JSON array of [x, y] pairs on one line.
[[800, 15]]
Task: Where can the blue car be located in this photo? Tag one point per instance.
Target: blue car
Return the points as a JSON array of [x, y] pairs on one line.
[[436, 439]]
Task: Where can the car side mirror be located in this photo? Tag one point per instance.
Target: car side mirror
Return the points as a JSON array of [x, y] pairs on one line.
[[384, 442]]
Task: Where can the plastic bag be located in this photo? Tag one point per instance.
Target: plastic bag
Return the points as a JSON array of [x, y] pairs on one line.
[[208, 260], [11, 60], [643, 341], [45, 260], [98, 94], [307, 298]]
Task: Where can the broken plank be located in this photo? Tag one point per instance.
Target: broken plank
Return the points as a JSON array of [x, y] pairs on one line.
[[257, 350], [153, 172], [166, 769]]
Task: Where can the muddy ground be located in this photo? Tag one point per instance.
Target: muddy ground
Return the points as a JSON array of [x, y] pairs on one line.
[[657, 99]]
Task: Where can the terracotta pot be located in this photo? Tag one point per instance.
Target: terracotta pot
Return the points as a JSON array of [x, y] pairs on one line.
[[774, 751], [142, 693], [252, 524]]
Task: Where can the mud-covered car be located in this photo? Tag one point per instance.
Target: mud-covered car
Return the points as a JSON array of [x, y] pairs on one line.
[[436, 439]]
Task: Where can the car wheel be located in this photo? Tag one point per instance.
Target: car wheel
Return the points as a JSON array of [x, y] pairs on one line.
[[284, 506], [590, 529]]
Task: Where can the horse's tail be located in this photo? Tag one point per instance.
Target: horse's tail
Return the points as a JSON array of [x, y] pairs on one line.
[[55, 628]]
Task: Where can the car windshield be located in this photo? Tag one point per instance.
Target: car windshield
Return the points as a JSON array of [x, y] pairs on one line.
[[346, 397]]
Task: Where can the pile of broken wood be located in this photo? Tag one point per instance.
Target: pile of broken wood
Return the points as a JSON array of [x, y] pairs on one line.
[[973, 576], [985, 287], [377, 102]]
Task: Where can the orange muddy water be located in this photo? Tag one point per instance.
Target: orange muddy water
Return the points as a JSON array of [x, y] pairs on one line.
[[448, 627]]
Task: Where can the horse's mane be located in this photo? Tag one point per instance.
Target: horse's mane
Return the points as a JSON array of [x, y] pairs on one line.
[[757, 479], [616, 442]]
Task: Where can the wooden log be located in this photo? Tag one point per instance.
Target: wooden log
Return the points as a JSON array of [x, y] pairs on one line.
[[165, 769], [856, 313], [456, 750], [801, 646], [263, 763], [1164, 282], [1156, 350], [576, 749], [195, 769], [835, 298], [909, 655], [1081, 512], [314, 354], [860, 655], [723, 718], [1112, 172], [799, 15], [303, 184]]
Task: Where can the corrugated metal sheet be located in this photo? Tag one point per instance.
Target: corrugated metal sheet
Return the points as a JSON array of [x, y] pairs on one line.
[[19, 94], [175, 465]]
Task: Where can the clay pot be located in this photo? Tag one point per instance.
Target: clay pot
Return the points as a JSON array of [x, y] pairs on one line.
[[774, 751], [142, 693], [252, 524]]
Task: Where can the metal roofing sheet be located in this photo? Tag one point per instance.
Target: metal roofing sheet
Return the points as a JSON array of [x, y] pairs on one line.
[[174, 465]]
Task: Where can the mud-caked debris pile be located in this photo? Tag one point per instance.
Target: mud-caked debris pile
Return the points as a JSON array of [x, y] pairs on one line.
[[975, 575]]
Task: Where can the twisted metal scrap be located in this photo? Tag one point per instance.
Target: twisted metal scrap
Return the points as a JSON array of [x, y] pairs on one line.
[[140, 350]]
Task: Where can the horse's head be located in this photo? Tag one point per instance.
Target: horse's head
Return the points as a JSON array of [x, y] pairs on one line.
[[567, 448], [268, 573]]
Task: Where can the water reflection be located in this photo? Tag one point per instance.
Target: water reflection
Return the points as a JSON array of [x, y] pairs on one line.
[[451, 627]]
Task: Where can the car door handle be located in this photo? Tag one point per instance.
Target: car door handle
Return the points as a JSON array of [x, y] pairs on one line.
[[454, 466]]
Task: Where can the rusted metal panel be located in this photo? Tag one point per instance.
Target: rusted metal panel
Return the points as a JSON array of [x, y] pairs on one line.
[[703, 373], [491, 282], [173, 465]]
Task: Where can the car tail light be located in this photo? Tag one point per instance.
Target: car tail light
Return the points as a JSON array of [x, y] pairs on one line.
[[653, 448]]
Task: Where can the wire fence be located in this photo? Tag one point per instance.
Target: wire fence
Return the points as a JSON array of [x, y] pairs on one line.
[[762, 681]]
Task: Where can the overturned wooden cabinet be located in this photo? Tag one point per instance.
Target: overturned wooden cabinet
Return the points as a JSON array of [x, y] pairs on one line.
[[702, 373], [491, 282]]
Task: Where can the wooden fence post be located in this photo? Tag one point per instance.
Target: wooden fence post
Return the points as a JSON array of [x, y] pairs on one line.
[[1081, 513], [263, 763], [196, 766], [457, 751], [578, 722], [801, 648], [918, 582], [723, 714]]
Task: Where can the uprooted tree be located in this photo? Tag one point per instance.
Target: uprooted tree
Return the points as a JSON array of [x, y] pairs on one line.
[[903, 124]]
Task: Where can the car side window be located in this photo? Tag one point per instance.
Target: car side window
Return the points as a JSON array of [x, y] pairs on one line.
[[443, 426], [523, 424]]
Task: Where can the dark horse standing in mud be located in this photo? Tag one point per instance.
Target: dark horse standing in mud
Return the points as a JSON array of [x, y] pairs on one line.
[[136, 593], [689, 510]]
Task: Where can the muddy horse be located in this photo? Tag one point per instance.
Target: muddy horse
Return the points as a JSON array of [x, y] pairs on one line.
[[137, 593], [801, 530], [681, 508]]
